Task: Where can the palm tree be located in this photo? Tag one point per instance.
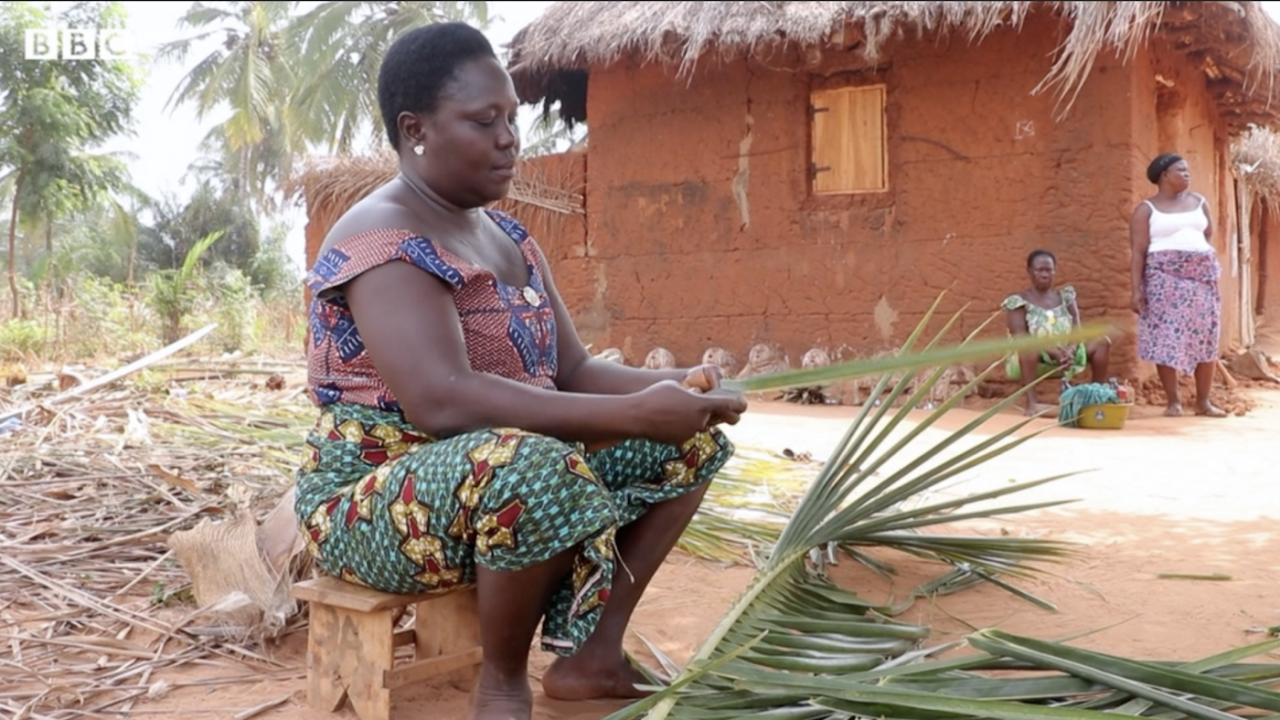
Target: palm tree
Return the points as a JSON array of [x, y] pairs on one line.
[[255, 175], [551, 134], [291, 82], [344, 42], [252, 74]]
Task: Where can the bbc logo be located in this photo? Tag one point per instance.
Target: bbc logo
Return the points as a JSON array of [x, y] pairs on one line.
[[75, 44]]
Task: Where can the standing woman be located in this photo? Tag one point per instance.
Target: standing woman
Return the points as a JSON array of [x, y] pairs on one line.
[[1175, 283]]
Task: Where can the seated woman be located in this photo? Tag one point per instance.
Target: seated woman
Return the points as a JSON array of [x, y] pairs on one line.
[[457, 403], [1042, 311]]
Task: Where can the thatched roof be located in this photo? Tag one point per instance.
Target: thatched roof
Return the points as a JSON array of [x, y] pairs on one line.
[[1235, 43]]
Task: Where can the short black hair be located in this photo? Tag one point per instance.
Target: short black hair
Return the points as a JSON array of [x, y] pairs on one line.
[[420, 64], [1160, 164], [1041, 253]]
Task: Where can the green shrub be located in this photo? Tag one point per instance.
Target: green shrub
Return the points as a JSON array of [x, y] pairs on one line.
[[23, 340]]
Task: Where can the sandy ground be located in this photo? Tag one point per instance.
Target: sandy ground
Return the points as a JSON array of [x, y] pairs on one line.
[[1163, 495]]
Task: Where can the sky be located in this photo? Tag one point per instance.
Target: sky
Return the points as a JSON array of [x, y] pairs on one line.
[[165, 141]]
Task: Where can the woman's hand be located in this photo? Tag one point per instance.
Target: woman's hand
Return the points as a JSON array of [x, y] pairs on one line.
[[704, 378], [1139, 301], [671, 414]]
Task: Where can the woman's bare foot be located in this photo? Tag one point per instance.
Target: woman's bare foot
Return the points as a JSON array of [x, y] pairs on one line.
[[1031, 411], [1208, 409], [584, 678], [493, 700], [1174, 410]]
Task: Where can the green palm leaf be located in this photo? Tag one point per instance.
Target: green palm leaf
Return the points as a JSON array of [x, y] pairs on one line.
[[850, 503], [819, 651]]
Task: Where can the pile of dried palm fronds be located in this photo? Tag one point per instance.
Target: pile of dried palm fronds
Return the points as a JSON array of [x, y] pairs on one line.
[[93, 603]]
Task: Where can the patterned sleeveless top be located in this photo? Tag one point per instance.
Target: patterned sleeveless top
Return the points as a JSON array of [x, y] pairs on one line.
[[1046, 321], [509, 331]]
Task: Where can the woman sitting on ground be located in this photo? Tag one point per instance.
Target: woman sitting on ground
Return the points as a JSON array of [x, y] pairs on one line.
[[1041, 310], [458, 403]]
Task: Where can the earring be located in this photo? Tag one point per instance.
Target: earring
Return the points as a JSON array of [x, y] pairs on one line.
[[418, 149]]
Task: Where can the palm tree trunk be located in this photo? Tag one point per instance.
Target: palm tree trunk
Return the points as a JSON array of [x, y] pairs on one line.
[[244, 169], [133, 259], [16, 310], [50, 282]]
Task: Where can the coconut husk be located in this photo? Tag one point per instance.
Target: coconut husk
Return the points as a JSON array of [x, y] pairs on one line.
[[232, 578]]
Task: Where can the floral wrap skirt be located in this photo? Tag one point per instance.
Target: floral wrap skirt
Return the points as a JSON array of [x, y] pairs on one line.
[[383, 505], [1181, 323]]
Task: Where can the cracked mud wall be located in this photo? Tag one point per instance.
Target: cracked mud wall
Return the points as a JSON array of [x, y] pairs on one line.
[[702, 231]]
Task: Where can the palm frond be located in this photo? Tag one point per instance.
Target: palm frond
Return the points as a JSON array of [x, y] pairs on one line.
[[794, 645], [747, 506]]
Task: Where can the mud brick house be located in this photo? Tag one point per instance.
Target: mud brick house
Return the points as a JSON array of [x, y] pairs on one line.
[[815, 173]]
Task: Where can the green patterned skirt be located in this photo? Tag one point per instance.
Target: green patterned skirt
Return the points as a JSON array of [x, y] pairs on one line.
[[384, 505]]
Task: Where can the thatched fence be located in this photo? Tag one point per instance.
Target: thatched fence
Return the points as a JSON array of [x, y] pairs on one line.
[[547, 196]]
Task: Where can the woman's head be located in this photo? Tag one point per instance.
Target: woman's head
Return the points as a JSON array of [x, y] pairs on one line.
[[1170, 170], [1042, 266], [449, 111]]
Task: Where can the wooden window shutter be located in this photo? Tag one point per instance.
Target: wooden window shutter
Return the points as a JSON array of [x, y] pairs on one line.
[[849, 142]]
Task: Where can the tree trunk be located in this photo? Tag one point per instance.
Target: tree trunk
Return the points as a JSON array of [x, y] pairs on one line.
[[133, 258], [51, 284], [13, 248], [244, 171]]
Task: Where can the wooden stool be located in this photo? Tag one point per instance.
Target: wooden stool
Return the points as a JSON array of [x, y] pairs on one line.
[[351, 643]]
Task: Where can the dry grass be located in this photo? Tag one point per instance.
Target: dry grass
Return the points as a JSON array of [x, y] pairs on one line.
[[1256, 157], [544, 58]]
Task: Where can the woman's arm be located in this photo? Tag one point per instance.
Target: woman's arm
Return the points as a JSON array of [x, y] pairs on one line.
[[578, 371], [1076, 322], [1016, 320], [1028, 361], [1075, 314], [1208, 229], [410, 329], [1139, 240]]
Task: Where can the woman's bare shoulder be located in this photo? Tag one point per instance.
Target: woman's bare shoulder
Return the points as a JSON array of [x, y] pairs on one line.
[[378, 210]]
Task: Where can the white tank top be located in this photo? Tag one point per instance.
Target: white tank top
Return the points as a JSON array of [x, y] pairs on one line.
[[1178, 230]]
